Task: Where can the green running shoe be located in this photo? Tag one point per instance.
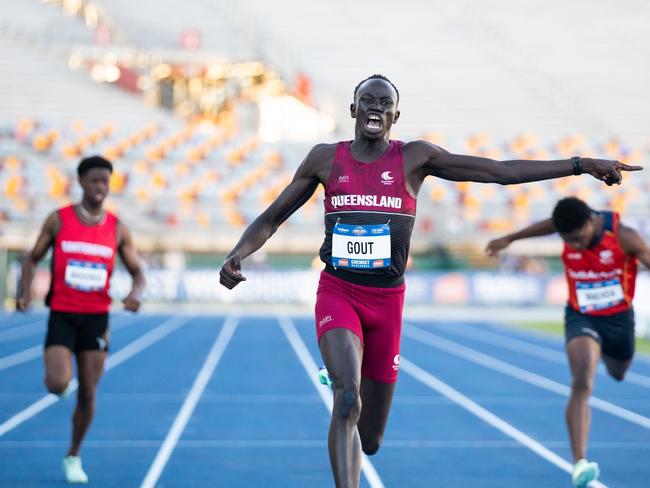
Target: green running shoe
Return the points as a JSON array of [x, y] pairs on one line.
[[584, 472], [74, 473], [324, 377]]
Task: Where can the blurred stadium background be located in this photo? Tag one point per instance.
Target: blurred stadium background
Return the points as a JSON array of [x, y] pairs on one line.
[[207, 107]]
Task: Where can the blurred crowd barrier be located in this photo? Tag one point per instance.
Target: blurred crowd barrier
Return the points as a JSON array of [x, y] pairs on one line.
[[298, 287]]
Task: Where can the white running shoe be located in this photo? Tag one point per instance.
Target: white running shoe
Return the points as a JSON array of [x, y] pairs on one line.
[[74, 473], [68, 389], [584, 472], [324, 377]]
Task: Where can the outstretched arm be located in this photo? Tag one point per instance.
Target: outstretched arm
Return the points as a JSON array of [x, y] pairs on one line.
[[458, 167], [301, 188], [632, 244], [43, 243], [543, 228], [129, 257]]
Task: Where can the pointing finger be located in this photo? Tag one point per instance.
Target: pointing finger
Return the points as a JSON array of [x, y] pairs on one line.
[[627, 167]]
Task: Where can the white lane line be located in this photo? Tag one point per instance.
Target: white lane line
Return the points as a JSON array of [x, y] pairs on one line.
[[26, 319], [311, 369], [18, 332], [535, 350], [488, 417], [37, 351], [508, 369], [116, 359], [21, 357], [193, 397]]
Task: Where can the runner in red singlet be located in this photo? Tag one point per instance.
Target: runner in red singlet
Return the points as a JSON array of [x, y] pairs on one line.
[[600, 261], [84, 239], [371, 184]]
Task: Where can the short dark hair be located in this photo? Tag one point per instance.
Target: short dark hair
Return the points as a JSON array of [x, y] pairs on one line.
[[91, 162], [570, 214], [376, 77]]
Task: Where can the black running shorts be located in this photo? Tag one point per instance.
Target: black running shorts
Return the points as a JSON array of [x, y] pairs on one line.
[[615, 333], [78, 331]]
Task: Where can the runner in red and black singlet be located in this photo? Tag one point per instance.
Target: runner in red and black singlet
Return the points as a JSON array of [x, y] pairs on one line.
[[84, 238], [371, 185], [600, 261], [602, 277], [82, 263]]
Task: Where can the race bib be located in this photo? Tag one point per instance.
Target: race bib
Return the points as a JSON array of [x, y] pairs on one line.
[[599, 295], [86, 276], [361, 246]]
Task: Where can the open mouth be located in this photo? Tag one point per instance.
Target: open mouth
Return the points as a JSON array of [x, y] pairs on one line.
[[374, 122]]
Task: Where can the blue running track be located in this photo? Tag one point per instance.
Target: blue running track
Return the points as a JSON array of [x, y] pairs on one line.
[[211, 400]]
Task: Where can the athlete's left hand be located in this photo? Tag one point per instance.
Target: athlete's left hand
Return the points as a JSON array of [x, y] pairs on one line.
[[606, 170], [131, 303]]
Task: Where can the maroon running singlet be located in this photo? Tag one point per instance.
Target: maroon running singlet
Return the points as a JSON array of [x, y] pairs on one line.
[[369, 217]]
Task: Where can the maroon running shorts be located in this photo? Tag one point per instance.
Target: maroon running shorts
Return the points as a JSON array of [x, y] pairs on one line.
[[373, 314]]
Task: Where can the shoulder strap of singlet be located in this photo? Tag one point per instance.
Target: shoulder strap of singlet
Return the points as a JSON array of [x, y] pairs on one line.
[[66, 211], [342, 153], [609, 221]]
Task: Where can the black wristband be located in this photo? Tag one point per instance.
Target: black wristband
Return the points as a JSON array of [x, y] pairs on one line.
[[577, 165]]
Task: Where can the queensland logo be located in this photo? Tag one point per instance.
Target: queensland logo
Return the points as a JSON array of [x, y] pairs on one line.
[[379, 263], [396, 362], [359, 231], [607, 256], [574, 255], [344, 179], [386, 178], [324, 320]]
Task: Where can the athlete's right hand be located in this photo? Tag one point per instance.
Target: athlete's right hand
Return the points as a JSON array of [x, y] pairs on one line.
[[22, 304], [230, 275], [494, 246]]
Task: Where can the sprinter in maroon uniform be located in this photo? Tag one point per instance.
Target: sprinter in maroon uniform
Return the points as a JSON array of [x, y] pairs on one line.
[[371, 185], [600, 262], [84, 239]]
